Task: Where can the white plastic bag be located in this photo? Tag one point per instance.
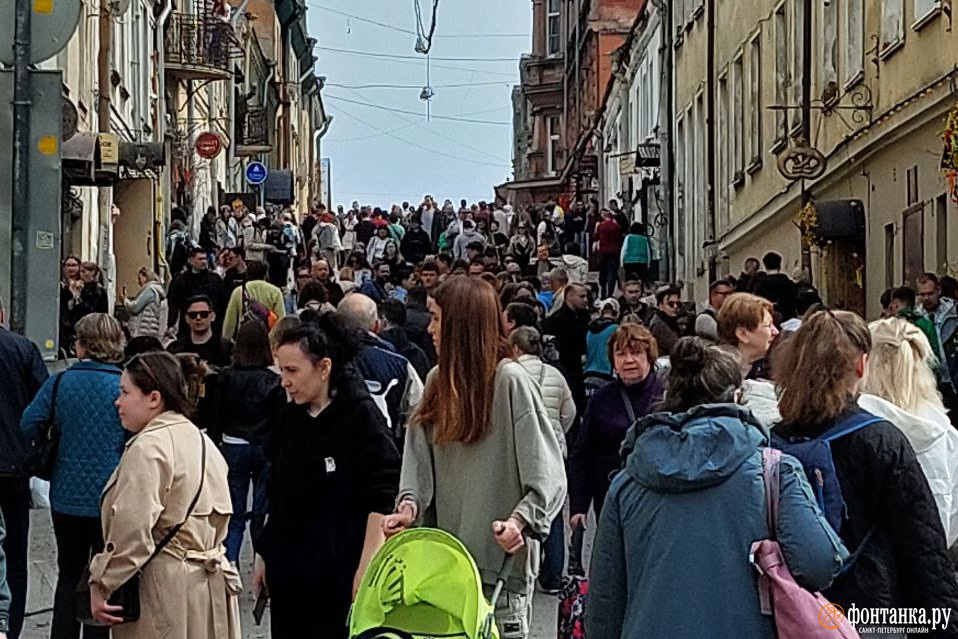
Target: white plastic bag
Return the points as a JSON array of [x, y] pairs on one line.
[[39, 493]]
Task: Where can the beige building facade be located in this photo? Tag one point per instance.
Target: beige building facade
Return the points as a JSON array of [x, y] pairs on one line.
[[883, 78]]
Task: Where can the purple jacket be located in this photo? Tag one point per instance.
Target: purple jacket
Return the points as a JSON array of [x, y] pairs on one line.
[[595, 455]]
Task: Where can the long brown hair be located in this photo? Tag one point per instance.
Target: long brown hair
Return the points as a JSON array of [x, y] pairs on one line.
[[820, 358], [458, 401]]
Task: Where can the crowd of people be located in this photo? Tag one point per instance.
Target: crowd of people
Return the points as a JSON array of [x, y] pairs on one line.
[[329, 382]]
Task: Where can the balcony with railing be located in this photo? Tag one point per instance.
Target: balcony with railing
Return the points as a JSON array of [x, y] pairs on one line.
[[200, 47], [252, 132]]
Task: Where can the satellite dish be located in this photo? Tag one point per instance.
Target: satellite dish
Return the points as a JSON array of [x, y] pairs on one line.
[[118, 7], [52, 24]]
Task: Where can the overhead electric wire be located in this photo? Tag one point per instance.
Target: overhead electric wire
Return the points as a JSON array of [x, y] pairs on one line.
[[447, 138], [397, 56], [420, 146], [438, 117], [407, 31], [360, 18], [417, 86], [500, 74], [420, 29]]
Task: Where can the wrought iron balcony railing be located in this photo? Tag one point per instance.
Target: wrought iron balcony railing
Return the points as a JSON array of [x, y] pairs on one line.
[[200, 46]]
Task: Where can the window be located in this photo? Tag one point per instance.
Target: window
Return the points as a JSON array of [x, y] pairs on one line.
[[678, 18], [892, 25], [798, 65], [724, 150], [680, 199], [702, 180], [553, 132], [911, 185], [890, 255], [782, 78], [691, 181], [855, 41], [755, 101], [829, 64], [913, 244], [924, 10], [941, 233], [738, 121], [553, 28]]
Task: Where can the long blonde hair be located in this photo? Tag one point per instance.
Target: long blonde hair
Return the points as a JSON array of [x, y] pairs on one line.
[[900, 368]]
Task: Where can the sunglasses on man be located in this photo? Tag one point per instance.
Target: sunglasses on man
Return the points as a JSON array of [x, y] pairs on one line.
[[198, 314]]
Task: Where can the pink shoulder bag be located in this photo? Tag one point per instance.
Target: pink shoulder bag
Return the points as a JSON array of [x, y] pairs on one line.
[[798, 613]]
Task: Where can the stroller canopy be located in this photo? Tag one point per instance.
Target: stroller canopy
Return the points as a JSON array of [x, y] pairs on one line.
[[423, 582]]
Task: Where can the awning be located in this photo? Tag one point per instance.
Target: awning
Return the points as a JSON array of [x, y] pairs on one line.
[[539, 183], [82, 161]]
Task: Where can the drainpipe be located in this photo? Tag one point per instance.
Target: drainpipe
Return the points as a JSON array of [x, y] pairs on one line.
[[712, 228], [163, 192], [666, 120], [105, 257]]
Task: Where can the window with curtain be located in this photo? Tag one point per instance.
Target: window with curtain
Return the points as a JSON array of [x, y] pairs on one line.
[[553, 28], [782, 78], [798, 66], [724, 148], [829, 66], [756, 108], [681, 198], [854, 59], [892, 24], [924, 8], [701, 180], [738, 119]]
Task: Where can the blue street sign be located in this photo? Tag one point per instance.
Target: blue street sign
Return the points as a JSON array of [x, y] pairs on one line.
[[256, 173]]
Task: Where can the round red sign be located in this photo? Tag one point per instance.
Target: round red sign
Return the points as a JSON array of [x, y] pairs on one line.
[[208, 145]]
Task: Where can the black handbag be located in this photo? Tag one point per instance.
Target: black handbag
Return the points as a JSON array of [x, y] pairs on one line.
[[127, 596], [42, 455]]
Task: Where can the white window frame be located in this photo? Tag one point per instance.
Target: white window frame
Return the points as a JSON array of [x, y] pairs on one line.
[[797, 65], [701, 179], [892, 31], [756, 108], [829, 40], [553, 34], [724, 147], [553, 137], [854, 50], [681, 192], [782, 77], [737, 91], [924, 12]]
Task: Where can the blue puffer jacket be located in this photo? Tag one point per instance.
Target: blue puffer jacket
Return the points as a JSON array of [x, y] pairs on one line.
[[91, 439], [671, 555]]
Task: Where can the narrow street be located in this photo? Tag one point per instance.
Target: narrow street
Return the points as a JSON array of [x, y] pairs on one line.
[[43, 576]]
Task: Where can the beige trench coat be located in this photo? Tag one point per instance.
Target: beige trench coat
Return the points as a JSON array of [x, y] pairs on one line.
[[189, 591]]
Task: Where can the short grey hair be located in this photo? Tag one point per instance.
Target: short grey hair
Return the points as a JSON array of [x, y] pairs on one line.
[[359, 310], [559, 275]]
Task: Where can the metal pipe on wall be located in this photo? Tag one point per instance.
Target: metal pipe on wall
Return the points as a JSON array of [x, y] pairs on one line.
[[21, 160]]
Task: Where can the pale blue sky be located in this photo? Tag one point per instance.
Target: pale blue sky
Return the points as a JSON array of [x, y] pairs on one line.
[[379, 169]]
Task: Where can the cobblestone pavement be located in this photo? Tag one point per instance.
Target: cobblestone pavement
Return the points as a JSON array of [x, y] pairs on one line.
[[43, 575]]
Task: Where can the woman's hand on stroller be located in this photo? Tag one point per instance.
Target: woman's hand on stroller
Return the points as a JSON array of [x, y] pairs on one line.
[[403, 518], [508, 534]]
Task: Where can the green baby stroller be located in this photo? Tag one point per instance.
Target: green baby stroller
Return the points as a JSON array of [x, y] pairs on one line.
[[424, 584]]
